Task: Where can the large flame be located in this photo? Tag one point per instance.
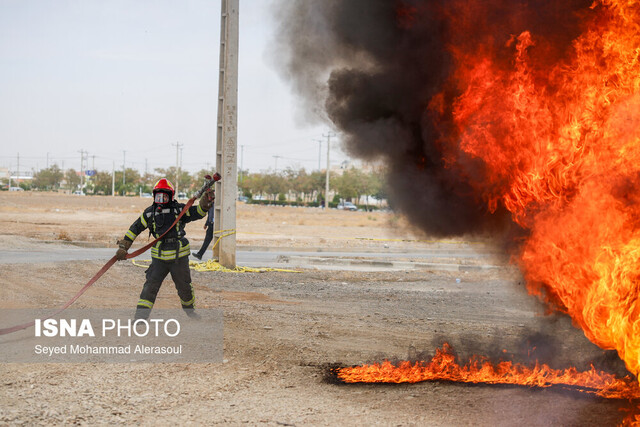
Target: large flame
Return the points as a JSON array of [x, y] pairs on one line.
[[444, 367], [559, 147]]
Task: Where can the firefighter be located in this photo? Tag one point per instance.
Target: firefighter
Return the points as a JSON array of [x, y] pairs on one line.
[[171, 253]]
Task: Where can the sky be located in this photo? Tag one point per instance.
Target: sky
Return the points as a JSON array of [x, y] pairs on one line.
[[127, 80]]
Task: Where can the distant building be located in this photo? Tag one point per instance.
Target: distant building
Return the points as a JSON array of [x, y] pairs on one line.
[[366, 167], [24, 176]]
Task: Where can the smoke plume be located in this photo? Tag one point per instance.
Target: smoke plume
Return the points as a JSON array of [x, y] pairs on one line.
[[383, 72]]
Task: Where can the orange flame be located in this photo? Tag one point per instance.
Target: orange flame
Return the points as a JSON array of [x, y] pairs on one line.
[[559, 144], [443, 367]]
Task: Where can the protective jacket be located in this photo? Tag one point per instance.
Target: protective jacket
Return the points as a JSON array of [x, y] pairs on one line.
[[158, 219]]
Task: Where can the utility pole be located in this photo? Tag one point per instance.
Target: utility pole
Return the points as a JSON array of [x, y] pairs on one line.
[[179, 167], [113, 180], [124, 157], [18, 171], [241, 163], [277, 157], [93, 170], [226, 141], [81, 169], [326, 187], [177, 145], [319, 141]]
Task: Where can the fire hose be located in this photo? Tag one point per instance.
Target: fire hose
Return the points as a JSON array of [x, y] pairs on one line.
[[208, 183]]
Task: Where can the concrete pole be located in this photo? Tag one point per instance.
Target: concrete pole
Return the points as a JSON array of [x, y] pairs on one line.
[[319, 141], [81, 169], [227, 143]]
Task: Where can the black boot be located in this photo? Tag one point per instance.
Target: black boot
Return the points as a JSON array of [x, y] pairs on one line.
[[196, 255], [142, 313], [191, 313]]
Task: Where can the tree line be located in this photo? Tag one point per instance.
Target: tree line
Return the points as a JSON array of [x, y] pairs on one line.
[[288, 185], [103, 182], [299, 185]]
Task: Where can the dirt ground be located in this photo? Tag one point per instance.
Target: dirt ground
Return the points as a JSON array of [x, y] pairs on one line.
[[103, 220], [283, 330]]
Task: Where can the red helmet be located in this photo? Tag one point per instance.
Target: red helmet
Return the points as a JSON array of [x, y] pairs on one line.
[[163, 186]]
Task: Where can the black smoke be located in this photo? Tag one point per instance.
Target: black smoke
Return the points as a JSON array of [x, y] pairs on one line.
[[372, 67]]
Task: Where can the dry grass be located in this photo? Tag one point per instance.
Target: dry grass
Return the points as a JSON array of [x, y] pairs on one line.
[[62, 235]]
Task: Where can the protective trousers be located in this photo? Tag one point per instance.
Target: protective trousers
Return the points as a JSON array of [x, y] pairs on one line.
[[207, 240], [156, 273]]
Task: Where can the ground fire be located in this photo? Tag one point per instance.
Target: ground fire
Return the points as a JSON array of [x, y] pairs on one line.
[[444, 367], [491, 109]]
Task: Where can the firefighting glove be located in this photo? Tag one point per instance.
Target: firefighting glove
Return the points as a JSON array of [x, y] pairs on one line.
[[123, 247], [206, 201]]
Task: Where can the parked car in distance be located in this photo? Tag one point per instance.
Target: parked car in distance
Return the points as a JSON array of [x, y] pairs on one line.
[[347, 206], [259, 197], [243, 199], [16, 189], [146, 195], [78, 193], [182, 195]]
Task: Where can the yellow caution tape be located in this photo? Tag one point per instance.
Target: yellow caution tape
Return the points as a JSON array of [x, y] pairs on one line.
[[225, 233], [140, 263], [212, 265]]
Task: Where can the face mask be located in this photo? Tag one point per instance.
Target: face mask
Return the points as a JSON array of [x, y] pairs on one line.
[[161, 198]]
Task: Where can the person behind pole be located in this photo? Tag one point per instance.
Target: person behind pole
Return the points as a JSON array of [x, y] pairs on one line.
[[171, 253], [208, 225]]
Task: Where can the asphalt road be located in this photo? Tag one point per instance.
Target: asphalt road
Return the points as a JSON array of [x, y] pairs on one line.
[[452, 258]]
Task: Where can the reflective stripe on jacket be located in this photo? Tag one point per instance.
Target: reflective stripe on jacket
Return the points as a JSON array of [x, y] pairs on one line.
[[158, 219]]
